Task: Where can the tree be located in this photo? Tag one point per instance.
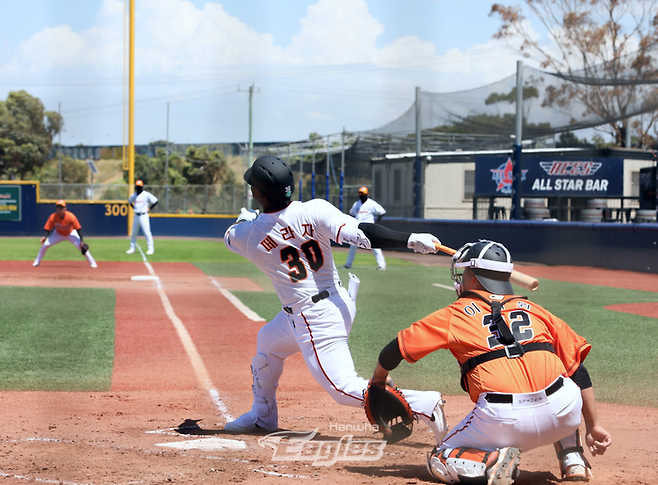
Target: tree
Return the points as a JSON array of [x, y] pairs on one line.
[[73, 171], [613, 38], [207, 168], [26, 134]]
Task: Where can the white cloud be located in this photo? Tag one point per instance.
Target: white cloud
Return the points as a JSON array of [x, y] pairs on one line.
[[53, 47]]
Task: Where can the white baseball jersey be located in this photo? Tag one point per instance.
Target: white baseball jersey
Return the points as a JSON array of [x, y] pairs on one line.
[[142, 202], [293, 246], [366, 211]]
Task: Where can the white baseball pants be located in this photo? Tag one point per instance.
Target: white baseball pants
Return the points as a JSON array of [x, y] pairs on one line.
[[320, 332], [532, 420], [56, 238], [379, 257], [143, 221]]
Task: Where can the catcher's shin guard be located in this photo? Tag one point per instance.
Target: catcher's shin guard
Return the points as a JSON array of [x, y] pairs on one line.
[[574, 467], [473, 466], [264, 392]]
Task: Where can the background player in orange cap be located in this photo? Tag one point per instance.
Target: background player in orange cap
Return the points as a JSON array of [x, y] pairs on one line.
[[522, 367], [367, 210], [142, 202], [62, 225]]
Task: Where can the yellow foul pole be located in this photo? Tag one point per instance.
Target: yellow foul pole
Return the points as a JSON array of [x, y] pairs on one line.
[[131, 110]]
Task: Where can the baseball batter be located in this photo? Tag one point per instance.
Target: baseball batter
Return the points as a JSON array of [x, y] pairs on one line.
[[142, 202], [366, 210], [291, 243], [62, 225], [522, 367]]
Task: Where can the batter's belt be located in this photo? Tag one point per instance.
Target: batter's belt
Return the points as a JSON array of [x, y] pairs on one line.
[[297, 307]]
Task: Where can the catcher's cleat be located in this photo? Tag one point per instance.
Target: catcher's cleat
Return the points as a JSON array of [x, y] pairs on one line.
[[506, 468], [248, 423], [576, 473], [130, 251]]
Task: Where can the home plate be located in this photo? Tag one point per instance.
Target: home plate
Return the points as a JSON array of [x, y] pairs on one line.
[[206, 444], [145, 278]]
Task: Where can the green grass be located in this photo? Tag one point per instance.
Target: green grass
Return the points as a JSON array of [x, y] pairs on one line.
[[621, 363], [166, 250], [56, 339]]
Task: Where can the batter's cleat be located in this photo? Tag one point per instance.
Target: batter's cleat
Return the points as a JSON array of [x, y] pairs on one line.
[[130, 251], [576, 473], [506, 468], [246, 424], [149, 252], [35, 264]]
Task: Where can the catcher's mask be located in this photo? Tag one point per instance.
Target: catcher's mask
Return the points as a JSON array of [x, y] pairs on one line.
[[490, 262], [273, 177]]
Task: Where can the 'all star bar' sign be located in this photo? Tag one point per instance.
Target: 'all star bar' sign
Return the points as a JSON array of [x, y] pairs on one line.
[[550, 177]]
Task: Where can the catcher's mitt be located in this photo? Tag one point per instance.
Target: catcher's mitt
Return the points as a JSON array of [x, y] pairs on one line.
[[84, 247], [387, 408]]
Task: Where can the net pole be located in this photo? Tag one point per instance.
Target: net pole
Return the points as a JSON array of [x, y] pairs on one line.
[[417, 162], [516, 185]]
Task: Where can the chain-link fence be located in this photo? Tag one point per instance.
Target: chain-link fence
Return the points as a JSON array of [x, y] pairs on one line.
[[174, 199]]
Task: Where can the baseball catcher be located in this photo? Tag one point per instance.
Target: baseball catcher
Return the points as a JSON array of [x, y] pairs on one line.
[[522, 367], [387, 408]]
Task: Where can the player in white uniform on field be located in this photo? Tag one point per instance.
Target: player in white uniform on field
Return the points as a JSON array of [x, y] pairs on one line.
[[366, 210], [291, 243], [142, 202]]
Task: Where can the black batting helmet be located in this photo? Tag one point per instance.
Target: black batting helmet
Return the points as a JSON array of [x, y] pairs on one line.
[[490, 262], [272, 176]]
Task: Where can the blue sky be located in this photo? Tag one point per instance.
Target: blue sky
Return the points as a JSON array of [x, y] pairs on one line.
[[318, 65]]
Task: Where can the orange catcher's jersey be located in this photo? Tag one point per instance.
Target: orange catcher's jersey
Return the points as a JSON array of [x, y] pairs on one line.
[[465, 328], [63, 226]]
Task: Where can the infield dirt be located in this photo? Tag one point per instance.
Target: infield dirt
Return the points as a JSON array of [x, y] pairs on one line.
[[117, 437]]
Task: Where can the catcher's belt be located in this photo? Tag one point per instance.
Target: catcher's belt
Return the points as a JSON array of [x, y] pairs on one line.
[[499, 398]]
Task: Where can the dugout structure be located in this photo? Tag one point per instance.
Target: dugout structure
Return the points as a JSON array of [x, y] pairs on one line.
[[478, 184]]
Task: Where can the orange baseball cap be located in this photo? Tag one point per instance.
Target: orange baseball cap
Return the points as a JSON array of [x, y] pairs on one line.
[[139, 183], [61, 202], [363, 190]]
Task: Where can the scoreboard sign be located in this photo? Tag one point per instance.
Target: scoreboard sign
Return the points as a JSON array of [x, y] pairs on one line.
[[10, 203], [547, 177]]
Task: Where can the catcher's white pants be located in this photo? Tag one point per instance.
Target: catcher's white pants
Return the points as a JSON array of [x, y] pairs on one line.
[[533, 420], [320, 332], [56, 238], [379, 257], [144, 222]]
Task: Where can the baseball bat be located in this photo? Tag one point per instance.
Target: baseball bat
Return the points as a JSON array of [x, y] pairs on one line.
[[520, 279]]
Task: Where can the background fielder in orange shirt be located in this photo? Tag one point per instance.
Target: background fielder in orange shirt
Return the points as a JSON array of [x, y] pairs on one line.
[[522, 367], [62, 225]]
